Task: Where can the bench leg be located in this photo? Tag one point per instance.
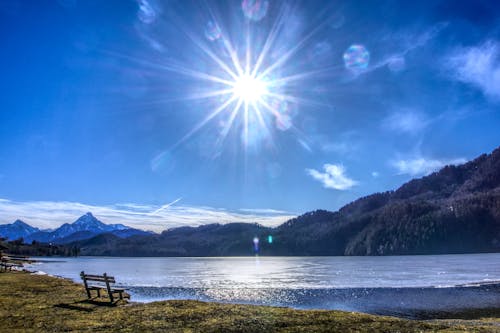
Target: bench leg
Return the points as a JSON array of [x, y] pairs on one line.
[[98, 292]]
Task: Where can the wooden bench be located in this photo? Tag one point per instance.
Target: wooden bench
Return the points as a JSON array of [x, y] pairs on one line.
[[7, 266], [16, 258], [8, 262], [103, 283]]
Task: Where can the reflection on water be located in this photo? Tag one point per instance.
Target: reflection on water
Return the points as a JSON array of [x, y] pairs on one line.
[[348, 283], [286, 272]]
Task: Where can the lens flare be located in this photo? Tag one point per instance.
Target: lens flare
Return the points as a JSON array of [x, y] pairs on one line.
[[250, 80], [356, 57], [284, 114], [256, 244], [255, 9], [212, 31]]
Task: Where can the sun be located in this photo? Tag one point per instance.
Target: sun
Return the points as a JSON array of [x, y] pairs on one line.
[[247, 85], [249, 89]]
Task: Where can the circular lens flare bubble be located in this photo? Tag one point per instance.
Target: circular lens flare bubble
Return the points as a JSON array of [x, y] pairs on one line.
[[356, 57], [284, 122], [212, 31], [284, 114], [249, 89], [255, 9]]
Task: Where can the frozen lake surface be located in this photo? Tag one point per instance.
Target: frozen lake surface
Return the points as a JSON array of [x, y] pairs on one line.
[[399, 285]]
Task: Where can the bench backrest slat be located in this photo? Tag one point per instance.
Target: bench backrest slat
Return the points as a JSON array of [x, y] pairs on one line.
[[99, 278], [102, 279]]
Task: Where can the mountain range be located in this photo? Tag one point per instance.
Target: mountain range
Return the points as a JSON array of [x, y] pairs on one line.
[[16, 230], [454, 210], [87, 226]]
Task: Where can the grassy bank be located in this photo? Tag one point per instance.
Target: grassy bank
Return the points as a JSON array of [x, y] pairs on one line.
[[42, 303]]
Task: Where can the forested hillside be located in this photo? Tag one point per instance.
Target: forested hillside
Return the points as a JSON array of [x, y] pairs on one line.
[[454, 210]]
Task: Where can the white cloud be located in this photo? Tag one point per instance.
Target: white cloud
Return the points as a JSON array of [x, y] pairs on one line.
[[422, 166], [406, 121], [479, 66], [375, 174], [334, 177], [51, 214], [264, 211]]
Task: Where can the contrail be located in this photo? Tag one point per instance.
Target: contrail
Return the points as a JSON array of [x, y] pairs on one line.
[[165, 206]]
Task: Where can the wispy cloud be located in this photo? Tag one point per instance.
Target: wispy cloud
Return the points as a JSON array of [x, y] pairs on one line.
[[406, 121], [51, 214], [264, 211], [148, 11], [334, 177], [422, 166], [479, 66], [166, 206], [341, 148], [407, 42], [305, 145], [346, 144]]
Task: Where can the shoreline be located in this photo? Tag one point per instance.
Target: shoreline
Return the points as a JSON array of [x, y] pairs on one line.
[[58, 304], [464, 301], [467, 300]]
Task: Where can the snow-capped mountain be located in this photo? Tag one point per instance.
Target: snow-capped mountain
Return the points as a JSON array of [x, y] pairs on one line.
[[87, 222], [16, 230], [84, 227]]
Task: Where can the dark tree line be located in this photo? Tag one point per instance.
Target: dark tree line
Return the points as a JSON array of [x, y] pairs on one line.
[[18, 247]]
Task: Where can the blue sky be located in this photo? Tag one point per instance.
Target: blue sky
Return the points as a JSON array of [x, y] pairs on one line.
[[118, 106]]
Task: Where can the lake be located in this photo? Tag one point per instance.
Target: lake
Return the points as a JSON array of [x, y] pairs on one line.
[[398, 285]]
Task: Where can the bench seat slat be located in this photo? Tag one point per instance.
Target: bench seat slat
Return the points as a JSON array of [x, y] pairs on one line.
[[118, 290], [96, 287]]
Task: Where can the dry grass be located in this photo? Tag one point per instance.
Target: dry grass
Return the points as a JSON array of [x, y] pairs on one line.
[[40, 304]]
